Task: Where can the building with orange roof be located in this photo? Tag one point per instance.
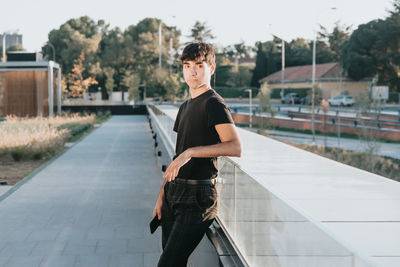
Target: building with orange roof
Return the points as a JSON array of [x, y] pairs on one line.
[[327, 79]]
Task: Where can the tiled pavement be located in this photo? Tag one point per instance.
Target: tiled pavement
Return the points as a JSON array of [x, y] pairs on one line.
[[89, 207]]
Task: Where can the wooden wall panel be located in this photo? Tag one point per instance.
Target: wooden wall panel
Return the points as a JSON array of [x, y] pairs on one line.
[[43, 94], [26, 93], [21, 100], [2, 94]]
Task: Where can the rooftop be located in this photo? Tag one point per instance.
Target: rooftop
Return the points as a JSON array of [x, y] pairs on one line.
[[304, 73]]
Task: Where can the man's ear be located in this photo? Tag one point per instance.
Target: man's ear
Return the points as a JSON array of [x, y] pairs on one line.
[[213, 66]]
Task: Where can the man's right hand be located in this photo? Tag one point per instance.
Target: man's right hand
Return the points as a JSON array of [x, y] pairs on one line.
[[157, 208]]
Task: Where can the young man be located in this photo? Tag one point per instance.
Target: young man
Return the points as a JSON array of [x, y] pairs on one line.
[[187, 203]]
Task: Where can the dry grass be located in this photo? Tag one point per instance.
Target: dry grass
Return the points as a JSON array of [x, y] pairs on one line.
[[387, 167], [37, 137], [27, 143]]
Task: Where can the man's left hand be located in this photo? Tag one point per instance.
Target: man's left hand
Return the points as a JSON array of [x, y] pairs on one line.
[[176, 164]]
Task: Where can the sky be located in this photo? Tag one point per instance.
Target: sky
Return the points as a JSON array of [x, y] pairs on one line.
[[231, 21]]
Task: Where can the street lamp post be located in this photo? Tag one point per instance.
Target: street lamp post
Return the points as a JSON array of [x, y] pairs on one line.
[[159, 45], [313, 92], [3, 58], [283, 62], [171, 60], [250, 108], [54, 51], [313, 86], [283, 66], [283, 70], [99, 93]]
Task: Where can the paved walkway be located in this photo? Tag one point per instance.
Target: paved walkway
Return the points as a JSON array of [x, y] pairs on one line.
[[89, 207], [4, 189]]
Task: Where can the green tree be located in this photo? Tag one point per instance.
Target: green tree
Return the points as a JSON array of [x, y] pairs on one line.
[[237, 51], [164, 85], [230, 74], [371, 50], [374, 49], [109, 83], [141, 43], [335, 39], [173, 87], [200, 32], [130, 83], [78, 85], [113, 55], [267, 61], [243, 76], [223, 75], [298, 52], [70, 39]]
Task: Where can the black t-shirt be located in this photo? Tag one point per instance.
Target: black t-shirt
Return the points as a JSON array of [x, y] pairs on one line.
[[195, 127]]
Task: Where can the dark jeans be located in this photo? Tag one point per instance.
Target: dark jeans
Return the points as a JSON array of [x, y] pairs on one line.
[[186, 214]]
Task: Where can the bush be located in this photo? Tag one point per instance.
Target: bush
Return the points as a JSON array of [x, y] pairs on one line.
[[102, 116], [38, 155], [18, 153], [234, 92], [75, 129]]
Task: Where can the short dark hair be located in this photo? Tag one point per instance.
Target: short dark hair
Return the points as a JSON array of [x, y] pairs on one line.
[[198, 50]]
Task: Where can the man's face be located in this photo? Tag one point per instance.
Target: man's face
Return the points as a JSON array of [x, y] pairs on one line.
[[197, 73]]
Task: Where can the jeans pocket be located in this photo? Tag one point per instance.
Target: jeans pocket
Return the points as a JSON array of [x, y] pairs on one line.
[[170, 189], [207, 197]]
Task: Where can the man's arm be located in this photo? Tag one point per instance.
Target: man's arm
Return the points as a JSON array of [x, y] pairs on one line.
[[158, 206], [230, 146]]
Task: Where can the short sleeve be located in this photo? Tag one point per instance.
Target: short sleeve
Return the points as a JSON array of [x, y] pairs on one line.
[[178, 116], [217, 112]]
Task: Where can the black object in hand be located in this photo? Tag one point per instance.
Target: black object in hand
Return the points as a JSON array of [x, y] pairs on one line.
[[154, 224]]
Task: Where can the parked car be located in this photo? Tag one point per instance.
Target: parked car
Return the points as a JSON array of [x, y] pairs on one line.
[[306, 100], [341, 100], [291, 98]]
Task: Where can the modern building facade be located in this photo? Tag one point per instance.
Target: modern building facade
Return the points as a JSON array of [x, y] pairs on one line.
[[30, 88]]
